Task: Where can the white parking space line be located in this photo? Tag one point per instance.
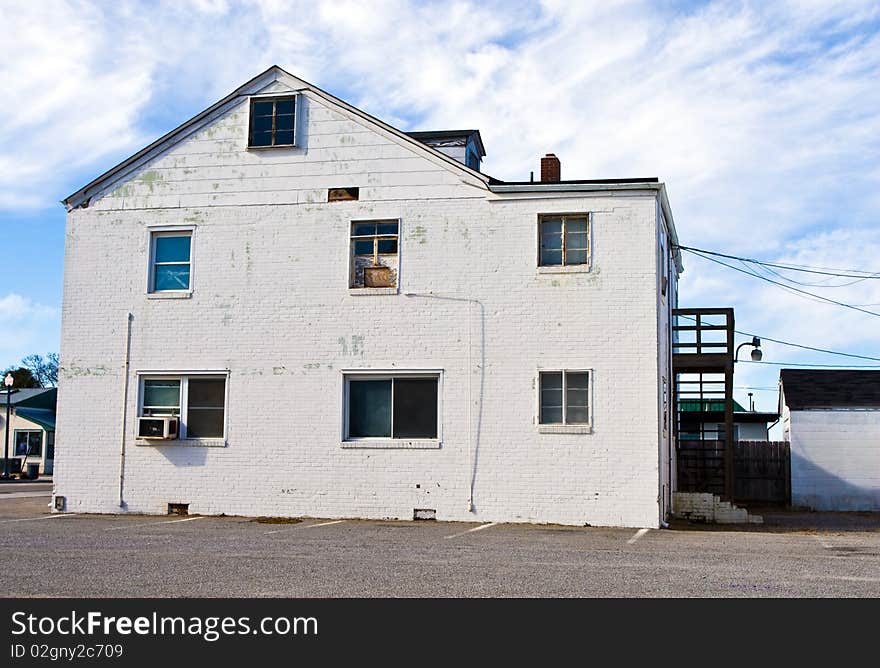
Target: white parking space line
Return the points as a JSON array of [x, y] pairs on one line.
[[305, 526], [42, 517], [824, 543], [152, 524], [22, 495], [639, 534], [479, 528]]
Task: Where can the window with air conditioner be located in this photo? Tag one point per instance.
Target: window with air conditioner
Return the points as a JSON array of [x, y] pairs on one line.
[[197, 402]]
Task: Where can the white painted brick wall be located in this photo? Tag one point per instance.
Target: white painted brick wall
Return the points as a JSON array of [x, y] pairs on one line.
[[271, 304], [835, 459]]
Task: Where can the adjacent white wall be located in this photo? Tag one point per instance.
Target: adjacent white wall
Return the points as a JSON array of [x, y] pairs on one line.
[[835, 459], [271, 305]]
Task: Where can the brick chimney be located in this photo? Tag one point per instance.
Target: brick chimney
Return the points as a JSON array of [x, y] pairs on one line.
[[551, 169]]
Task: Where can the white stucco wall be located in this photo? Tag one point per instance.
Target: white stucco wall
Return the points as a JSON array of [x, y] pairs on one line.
[[271, 304], [835, 459]]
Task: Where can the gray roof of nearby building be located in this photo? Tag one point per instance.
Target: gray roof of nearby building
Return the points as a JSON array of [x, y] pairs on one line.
[[23, 394], [830, 388]]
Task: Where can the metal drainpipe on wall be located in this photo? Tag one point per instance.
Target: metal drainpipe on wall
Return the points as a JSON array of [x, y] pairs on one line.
[[472, 448], [129, 318]]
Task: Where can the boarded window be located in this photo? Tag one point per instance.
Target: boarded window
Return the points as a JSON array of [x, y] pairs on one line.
[[374, 256], [564, 240], [564, 397], [272, 121], [396, 407]]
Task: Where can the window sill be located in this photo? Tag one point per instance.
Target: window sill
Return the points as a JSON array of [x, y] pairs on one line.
[[392, 444], [170, 294], [184, 442], [264, 148], [565, 429], [563, 269], [362, 292]]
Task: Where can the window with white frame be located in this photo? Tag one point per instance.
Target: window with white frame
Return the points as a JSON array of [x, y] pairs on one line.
[[564, 240], [199, 401], [171, 261], [404, 406], [564, 397], [374, 258]]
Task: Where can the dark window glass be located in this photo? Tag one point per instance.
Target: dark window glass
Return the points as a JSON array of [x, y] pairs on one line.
[[363, 247], [272, 122], [363, 229], [415, 408], [265, 108], [283, 137], [262, 139], [387, 246], [262, 124], [206, 399], [369, 408], [284, 107], [283, 123], [386, 228], [551, 398]]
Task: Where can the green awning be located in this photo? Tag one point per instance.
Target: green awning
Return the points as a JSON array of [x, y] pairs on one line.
[[41, 416]]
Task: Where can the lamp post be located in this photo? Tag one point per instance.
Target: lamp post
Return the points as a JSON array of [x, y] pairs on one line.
[[7, 382], [756, 349]]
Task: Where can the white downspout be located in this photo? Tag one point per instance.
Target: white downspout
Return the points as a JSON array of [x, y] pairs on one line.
[[471, 431], [124, 408]]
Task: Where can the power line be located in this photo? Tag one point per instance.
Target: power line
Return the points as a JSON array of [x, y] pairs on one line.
[[787, 287], [824, 366], [827, 271]]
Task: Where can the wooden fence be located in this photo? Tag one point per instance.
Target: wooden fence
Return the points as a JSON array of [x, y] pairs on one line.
[[762, 470]]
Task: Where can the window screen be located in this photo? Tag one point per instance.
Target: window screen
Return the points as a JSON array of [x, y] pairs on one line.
[[205, 407]]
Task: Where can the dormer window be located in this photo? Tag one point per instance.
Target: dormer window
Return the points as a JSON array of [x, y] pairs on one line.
[[272, 121]]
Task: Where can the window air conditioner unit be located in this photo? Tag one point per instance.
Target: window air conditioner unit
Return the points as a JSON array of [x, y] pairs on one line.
[[157, 427]]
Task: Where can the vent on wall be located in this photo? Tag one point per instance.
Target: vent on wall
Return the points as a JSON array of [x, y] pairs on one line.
[[343, 194], [178, 509], [60, 503], [424, 514]]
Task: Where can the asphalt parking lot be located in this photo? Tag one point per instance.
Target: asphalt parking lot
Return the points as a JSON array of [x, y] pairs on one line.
[[147, 556]]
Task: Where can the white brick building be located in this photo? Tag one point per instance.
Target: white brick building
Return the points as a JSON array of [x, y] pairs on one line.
[[831, 419], [241, 244]]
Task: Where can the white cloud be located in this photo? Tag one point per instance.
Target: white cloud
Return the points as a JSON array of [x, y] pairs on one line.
[[28, 328]]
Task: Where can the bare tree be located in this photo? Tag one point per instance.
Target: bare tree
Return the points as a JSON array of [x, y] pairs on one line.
[[43, 369]]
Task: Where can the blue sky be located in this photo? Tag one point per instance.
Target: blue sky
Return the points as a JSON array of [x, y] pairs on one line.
[[762, 118]]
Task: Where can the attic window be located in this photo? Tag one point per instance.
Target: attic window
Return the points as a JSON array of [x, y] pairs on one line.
[[272, 121]]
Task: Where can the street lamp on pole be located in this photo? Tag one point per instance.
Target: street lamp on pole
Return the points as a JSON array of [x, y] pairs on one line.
[[755, 343], [7, 382]]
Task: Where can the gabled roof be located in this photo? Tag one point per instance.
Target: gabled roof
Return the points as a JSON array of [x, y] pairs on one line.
[[804, 389], [252, 87]]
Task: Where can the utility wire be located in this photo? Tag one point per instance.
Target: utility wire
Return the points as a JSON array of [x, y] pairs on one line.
[[824, 366], [787, 287], [827, 271]]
